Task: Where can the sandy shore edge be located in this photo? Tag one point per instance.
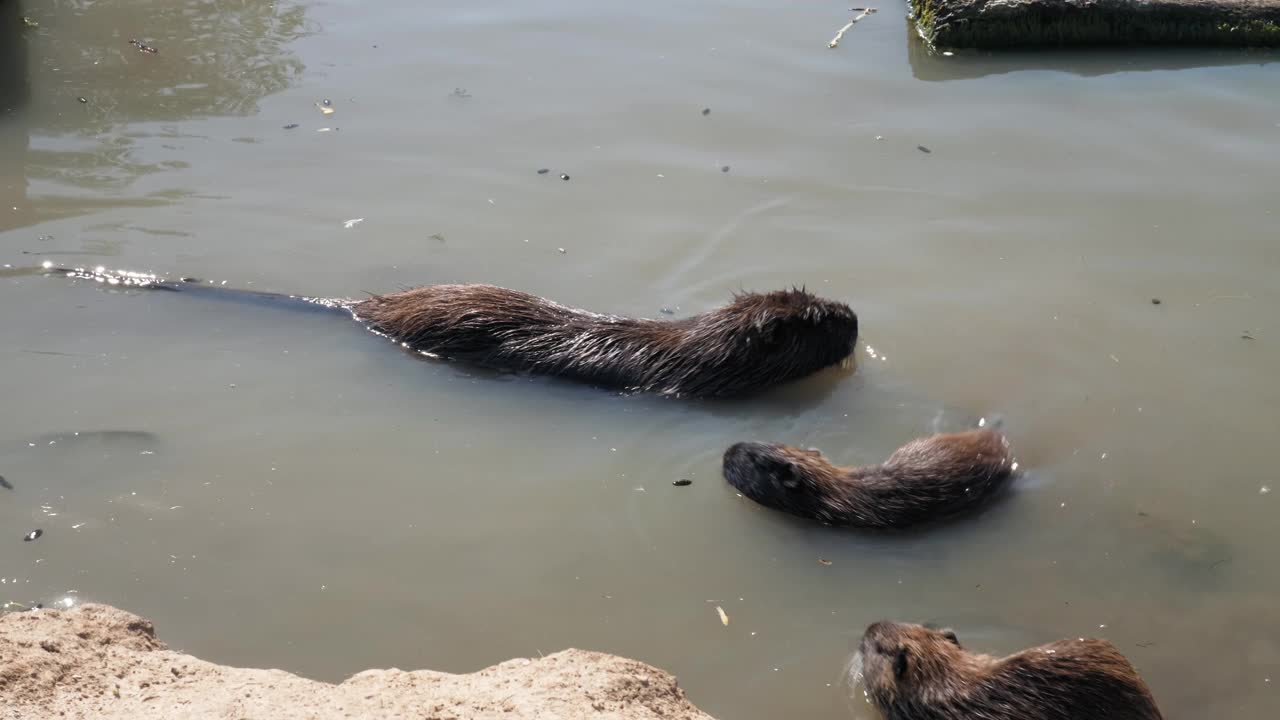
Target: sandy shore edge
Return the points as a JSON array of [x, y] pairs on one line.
[[97, 661]]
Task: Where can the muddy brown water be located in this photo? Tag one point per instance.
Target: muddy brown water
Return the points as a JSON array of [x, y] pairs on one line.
[[283, 489]]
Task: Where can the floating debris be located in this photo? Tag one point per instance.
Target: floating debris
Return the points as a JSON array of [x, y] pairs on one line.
[[352, 223], [706, 111], [143, 47], [29, 22], [1247, 335], [682, 482], [291, 126], [1155, 301], [862, 12], [5, 483], [724, 169], [562, 251], [563, 176], [667, 311], [1264, 490], [82, 100], [923, 149], [724, 617], [33, 535], [461, 93], [543, 171], [439, 237], [824, 562]]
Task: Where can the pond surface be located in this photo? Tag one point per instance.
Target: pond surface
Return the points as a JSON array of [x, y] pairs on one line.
[[283, 489]]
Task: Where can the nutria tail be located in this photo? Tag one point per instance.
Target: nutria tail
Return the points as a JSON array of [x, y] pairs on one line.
[[928, 479], [195, 286], [915, 671], [756, 341]]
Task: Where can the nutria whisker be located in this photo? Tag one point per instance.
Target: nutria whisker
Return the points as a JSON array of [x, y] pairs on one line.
[[928, 479]]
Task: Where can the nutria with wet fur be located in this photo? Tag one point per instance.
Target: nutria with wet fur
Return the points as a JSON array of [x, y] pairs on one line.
[[928, 479], [756, 341], [913, 672]]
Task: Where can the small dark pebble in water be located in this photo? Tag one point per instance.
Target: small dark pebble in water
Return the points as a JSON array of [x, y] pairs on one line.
[[682, 482], [1246, 336], [543, 171], [81, 99], [5, 483], [706, 111], [724, 169], [923, 149], [1155, 301], [667, 311], [564, 176], [34, 534], [326, 102], [290, 126]]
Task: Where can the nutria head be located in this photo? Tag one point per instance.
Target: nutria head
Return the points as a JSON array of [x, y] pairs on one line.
[[901, 661], [913, 672], [763, 339], [791, 479], [928, 479]]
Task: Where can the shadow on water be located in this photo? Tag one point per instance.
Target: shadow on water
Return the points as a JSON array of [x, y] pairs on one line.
[[72, 81], [932, 66]]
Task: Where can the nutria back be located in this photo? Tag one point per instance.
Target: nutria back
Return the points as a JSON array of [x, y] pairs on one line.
[[756, 341], [913, 672], [928, 479]]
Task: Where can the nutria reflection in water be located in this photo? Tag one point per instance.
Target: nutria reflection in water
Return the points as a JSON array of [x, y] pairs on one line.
[[757, 341], [928, 479], [914, 672]]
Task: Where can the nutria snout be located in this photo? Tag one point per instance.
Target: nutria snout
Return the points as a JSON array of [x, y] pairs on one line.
[[756, 341], [914, 672], [931, 478]]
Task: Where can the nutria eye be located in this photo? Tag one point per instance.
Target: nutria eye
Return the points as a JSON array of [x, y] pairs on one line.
[[785, 475], [900, 664]]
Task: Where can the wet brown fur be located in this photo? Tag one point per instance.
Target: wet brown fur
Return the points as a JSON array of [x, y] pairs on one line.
[[927, 479], [913, 672], [758, 340]]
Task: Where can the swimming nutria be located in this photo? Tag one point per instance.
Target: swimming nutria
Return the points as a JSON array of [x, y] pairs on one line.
[[756, 341], [913, 672], [927, 479]]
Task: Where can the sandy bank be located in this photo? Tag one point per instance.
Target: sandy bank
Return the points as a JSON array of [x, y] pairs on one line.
[[96, 661]]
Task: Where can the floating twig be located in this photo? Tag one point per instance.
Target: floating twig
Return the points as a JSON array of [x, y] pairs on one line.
[[862, 12]]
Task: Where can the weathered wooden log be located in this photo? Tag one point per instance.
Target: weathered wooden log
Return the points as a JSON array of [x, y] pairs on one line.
[[1056, 23]]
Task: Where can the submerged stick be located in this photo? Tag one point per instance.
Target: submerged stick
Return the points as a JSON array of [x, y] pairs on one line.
[[840, 35]]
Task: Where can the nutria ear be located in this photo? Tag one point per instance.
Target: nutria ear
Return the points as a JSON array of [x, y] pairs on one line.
[[950, 634], [766, 329], [900, 664]]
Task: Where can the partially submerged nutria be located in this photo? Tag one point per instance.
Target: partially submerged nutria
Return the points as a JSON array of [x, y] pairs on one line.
[[756, 341], [913, 672], [927, 479]]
